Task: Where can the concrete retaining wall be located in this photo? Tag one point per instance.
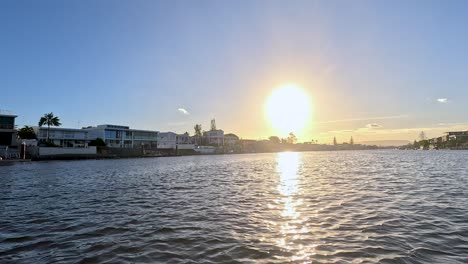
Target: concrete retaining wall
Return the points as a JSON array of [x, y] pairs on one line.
[[120, 152], [185, 146], [206, 150], [44, 151]]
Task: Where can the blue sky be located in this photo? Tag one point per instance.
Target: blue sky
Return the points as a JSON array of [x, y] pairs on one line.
[[373, 69]]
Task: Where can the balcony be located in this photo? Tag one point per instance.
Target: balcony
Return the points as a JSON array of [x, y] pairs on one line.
[[7, 126]]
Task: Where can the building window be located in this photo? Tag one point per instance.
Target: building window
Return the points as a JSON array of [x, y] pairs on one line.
[[112, 134]]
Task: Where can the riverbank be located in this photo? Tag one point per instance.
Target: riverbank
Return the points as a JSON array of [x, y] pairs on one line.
[[13, 161], [115, 156]]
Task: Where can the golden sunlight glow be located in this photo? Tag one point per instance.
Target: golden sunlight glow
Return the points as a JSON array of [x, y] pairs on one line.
[[288, 109]]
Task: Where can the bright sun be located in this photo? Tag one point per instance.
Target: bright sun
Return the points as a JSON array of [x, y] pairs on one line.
[[288, 109]]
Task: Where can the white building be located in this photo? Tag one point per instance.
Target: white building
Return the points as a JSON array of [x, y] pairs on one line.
[[184, 138], [167, 140], [184, 141], [123, 137], [63, 137], [214, 137], [171, 140]]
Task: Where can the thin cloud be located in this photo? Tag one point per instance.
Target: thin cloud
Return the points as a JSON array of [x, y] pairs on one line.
[[436, 130], [364, 119], [451, 124], [373, 126], [442, 100], [339, 131], [183, 111]]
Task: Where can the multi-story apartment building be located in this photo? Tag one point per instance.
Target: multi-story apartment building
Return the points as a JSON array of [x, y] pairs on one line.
[[123, 137], [214, 137], [7, 130], [63, 137]]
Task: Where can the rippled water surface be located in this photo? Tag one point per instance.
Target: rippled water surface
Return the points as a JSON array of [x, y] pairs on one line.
[[316, 207]]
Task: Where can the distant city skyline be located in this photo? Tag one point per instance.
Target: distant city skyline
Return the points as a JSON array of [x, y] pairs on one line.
[[374, 70]]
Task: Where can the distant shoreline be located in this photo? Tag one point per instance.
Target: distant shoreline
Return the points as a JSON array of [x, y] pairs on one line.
[[70, 157]]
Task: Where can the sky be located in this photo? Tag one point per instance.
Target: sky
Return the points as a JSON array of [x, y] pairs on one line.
[[373, 70]]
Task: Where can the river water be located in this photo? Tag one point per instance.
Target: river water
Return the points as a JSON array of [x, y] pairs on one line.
[[314, 207]]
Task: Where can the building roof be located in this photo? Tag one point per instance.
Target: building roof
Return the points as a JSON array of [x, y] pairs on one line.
[[62, 129], [126, 128], [248, 140], [457, 132], [113, 126], [167, 133], [213, 131], [231, 135], [6, 115], [141, 130]]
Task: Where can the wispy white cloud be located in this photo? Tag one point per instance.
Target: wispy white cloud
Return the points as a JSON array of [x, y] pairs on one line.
[[373, 126], [364, 119], [183, 111], [442, 100], [452, 124]]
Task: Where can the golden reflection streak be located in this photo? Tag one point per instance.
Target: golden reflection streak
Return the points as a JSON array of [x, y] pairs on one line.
[[293, 227]]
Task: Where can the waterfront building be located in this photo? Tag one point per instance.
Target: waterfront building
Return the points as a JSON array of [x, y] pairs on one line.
[[63, 137], [7, 130], [197, 140], [231, 140], [231, 143], [167, 140], [214, 137], [456, 135], [116, 136], [171, 140], [184, 139], [248, 145]]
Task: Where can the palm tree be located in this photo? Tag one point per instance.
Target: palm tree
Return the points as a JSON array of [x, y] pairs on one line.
[[49, 120], [26, 132], [198, 132]]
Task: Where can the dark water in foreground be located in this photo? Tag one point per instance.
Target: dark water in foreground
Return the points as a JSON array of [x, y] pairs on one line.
[[317, 207]]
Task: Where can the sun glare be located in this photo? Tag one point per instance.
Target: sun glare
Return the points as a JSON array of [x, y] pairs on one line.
[[288, 109]]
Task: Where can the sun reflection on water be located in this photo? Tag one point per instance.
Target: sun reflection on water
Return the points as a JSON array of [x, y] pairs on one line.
[[288, 165], [292, 226]]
